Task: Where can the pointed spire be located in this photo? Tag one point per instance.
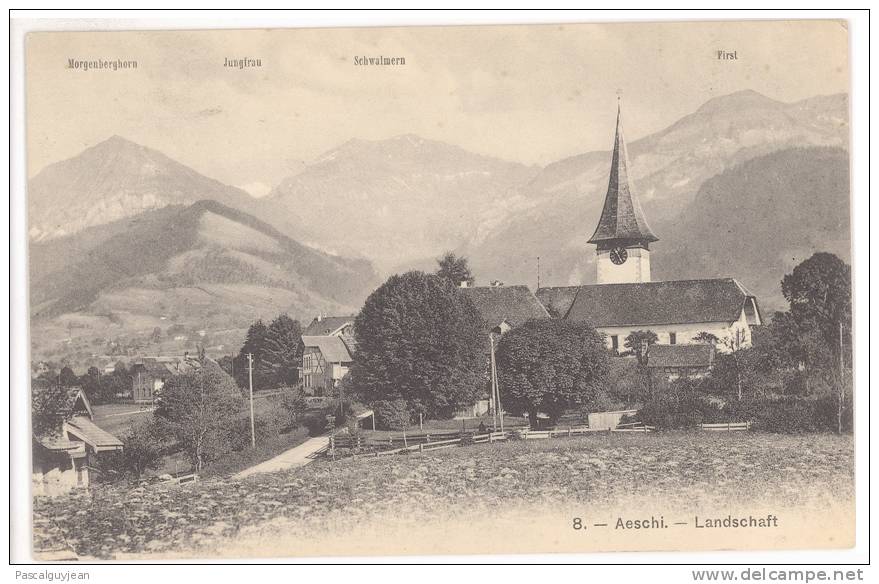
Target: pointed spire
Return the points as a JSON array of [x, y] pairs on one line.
[[621, 217]]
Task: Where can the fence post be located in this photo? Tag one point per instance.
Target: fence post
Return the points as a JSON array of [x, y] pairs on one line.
[[570, 431], [421, 448], [490, 437], [427, 437]]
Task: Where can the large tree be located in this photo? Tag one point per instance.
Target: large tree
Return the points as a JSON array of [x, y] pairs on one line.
[[420, 340], [49, 406], [276, 354], [254, 344], [199, 408], [454, 269], [67, 378], [91, 385], [144, 445], [281, 354], [820, 293], [549, 366]]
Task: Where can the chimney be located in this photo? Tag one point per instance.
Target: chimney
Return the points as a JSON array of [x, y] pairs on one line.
[[320, 316]]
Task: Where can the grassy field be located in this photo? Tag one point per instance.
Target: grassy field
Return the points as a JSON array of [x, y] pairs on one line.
[[588, 472]]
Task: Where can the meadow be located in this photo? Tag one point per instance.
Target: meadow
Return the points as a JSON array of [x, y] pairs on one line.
[[589, 472]]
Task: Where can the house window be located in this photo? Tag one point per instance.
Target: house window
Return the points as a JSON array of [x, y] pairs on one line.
[[307, 380], [672, 338], [615, 343]]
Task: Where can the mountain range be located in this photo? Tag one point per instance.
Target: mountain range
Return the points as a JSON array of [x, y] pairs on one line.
[[124, 239]]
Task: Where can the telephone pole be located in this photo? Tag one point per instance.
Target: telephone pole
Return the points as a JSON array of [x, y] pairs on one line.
[[841, 396], [250, 383], [538, 272], [495, 391]]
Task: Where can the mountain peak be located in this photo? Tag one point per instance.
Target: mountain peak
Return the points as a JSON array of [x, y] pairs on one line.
[[117, 141], [739, 100]]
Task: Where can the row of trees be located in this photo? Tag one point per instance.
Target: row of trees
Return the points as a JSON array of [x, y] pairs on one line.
[[99, 387], [422, 349], [276, 354]]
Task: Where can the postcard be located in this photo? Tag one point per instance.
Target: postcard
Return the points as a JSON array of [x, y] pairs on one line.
[[430, 290]]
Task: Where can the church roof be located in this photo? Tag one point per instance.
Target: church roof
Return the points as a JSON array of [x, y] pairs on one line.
[[652, 303], [513, 304], [621, 217]]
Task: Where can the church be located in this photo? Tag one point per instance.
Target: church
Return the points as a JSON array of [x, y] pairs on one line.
[[626, 299]]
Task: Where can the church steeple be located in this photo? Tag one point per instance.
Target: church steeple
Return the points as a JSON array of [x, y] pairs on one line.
[[623, 236], [621, 217]]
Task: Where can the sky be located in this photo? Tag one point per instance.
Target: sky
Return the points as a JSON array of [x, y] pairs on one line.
[[532, 94]]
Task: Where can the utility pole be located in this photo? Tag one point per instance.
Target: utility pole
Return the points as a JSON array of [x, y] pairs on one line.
[[250, 383], [841, 384], [493, 395], [538, 272], [495, 391]]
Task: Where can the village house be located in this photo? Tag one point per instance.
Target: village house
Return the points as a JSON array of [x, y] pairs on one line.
[[501, 308], [327, 354], [149, 374], [325, 362], [681, 361], [64, 455], [625, 299]]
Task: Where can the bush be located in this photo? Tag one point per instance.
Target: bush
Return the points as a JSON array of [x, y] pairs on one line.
[[789, 415], [317, 422], [392, 414], [794, 415], [681, 407], [291, 406], [267, 427], [626, 382], [676, 409]]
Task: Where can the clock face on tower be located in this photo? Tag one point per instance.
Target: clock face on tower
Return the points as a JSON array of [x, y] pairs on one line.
[[619, 255]]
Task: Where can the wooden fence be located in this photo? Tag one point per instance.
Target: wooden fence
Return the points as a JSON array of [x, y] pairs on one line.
[[362, 446], [359, 446], [726, 427]]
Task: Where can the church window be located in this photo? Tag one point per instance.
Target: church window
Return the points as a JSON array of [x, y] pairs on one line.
[[672, 338]]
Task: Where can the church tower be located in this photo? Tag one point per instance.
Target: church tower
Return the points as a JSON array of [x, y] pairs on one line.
[[622, 237]]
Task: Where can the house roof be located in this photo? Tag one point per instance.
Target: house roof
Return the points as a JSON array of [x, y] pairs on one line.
[[621, 217], [87, 431], [701, 355], [55, 444], [653, 303], [333, 349], [164, 367], [513, 304], [154, 367], [327, 325]]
